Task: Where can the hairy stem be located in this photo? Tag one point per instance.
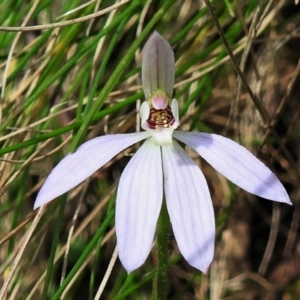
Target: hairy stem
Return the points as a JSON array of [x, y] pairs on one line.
[[160, 281]]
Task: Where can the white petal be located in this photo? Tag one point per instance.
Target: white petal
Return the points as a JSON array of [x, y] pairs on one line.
[[144, 113], [236, 163], [189, 206], [88, 158], [175, 112], [139, 200]]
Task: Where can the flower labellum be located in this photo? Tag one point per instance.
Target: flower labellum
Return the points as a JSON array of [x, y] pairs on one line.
[[162, 167]]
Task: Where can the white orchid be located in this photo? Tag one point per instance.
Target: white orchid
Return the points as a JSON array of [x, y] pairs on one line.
[[162, 169]]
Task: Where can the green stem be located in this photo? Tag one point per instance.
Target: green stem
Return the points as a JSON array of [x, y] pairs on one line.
[[160, 281]]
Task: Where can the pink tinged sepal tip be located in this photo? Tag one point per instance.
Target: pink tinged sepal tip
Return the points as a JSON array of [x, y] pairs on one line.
[[158, 66], [190, 207], [78, 166], [139, 200], [237, 164]]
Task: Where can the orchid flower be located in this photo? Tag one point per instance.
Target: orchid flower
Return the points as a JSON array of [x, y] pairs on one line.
[[162, 169]]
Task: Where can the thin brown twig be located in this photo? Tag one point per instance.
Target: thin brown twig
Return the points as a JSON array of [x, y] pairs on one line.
[[264, 114], [71, 231], [14, 231], [272, 239], [292, 236], [65, 23], [233, 114], [283, 103], [11, 51], [26, 163], [90, 25], [107, 274], [21, 251]]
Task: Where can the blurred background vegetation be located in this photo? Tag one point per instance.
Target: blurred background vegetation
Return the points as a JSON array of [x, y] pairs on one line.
[[66, 82]]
